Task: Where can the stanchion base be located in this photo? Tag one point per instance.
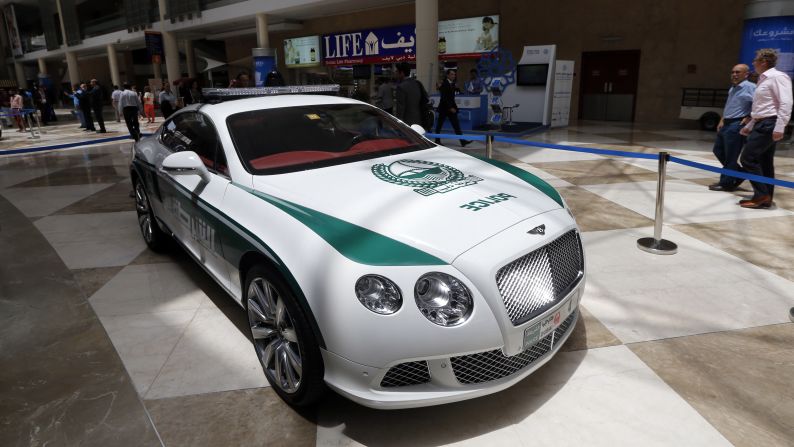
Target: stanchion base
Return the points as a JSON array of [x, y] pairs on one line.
[[657, 247]]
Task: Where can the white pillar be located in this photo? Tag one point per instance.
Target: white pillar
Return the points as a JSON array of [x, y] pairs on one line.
[[171, 56], [20, 73], [42, 66], [262, 38], [427, 43], [74, 69], [113, 60], [190, 55]]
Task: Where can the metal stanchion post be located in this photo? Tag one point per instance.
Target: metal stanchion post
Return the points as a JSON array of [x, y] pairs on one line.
[[656, 244], [489, 146]]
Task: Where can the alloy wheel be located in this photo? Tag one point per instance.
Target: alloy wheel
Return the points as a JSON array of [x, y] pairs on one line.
[[144, 216], [275, 338]]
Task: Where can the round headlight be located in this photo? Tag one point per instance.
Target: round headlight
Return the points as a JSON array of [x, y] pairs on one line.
[[443, 299], [379, 294]]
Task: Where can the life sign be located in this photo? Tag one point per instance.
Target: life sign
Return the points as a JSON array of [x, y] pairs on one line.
[[379, 45]]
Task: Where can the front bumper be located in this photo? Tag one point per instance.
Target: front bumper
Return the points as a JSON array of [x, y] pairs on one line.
[[432, 381]]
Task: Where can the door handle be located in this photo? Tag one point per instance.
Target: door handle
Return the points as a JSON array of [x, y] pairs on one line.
[[605, 87], [610, 87]]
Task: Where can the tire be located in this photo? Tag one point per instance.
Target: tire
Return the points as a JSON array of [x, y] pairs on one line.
[[155, 238], [709, 121], [283, 340]]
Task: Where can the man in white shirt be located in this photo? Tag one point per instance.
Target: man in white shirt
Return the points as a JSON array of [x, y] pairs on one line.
[[129, 105], [114, 98], [770, 113]]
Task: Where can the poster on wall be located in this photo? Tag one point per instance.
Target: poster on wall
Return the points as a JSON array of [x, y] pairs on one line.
[[381, 45], [468, 38], [770, 32], [13, 32], [302, 52], [154, 46], [561, 101]]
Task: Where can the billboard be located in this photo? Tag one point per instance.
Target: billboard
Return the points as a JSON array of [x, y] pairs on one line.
[[770, 32], [302, 52], [378, 45], [154, 46], [13, 32], [468, 38]]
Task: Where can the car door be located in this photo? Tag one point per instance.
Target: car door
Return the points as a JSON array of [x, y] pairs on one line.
[[195, 202]]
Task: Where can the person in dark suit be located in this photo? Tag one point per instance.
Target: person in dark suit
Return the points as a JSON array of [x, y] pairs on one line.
[[97, 99], [447, 108], [84, 96], [407, 106]]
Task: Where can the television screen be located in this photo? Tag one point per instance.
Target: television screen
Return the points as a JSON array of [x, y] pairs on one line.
[[532, 74]]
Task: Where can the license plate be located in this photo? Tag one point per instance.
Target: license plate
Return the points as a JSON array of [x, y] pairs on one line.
[[549, 323]]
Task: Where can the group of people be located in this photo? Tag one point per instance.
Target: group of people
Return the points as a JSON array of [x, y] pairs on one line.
[[411, 102], [754, 120]]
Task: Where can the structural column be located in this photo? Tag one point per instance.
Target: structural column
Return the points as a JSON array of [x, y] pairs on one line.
[[20, 73], [42, 66], [190, 56], [74, 69], [113, 60], [262, 38], [427, 43], [171, 56]]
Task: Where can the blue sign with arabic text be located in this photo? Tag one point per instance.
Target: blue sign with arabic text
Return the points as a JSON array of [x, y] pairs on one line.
[[770, 32], [380, 45]]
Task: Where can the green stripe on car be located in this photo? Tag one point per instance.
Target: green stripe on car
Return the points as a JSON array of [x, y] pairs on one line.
[[532, 179], [354, 242]]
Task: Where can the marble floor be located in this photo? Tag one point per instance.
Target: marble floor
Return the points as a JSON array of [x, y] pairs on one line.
[[104, 342]]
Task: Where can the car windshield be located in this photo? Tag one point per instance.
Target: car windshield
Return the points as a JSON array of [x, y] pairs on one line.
[[271, 141]]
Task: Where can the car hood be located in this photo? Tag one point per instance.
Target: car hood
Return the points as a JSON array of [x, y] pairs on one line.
[[437, 200]]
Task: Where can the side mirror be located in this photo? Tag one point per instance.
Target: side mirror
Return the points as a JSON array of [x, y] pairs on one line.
[[419, 129], [186, 163]]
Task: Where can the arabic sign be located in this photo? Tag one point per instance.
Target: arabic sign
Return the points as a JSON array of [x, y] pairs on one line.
[[13, 32], [154, 46], [302, 52], [770, 32], [381, 45], [468, 38]]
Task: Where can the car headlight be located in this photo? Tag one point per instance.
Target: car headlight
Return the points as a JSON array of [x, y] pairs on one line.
[[443, 299], [379, 294]]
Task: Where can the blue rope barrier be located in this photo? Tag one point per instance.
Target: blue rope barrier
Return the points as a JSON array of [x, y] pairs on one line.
[[732, 173], [452, 136], [578, 149], [67, 145]]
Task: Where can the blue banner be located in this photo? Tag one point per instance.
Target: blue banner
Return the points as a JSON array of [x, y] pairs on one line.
[[380, 45], [770, 32]]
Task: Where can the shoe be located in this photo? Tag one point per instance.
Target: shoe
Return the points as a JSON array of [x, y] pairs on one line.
[[718, 187], [464, 143], [756, 203], [438, 140], [101, 131]]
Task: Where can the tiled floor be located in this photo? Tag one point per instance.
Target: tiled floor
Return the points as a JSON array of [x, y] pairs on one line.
[[104, 342]]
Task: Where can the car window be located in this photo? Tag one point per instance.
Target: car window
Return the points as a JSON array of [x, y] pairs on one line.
[[285, 139], [193, 131]]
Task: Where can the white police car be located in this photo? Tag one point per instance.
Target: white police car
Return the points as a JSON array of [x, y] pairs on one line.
[[398, 272]]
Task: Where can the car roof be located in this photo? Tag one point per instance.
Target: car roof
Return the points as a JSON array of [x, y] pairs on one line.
[[222, 110]]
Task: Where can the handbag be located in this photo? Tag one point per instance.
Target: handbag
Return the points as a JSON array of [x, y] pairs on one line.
[[427, 115]]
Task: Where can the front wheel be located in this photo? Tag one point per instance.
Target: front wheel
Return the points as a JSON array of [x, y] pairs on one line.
[[709, 121], [283, 339]]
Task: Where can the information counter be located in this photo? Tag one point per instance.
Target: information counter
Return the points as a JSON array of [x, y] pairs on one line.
[[472, 111]]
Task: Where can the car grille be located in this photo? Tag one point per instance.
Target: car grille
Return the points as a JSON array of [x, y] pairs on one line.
[[534, 283], [493, 365], [404, 374]]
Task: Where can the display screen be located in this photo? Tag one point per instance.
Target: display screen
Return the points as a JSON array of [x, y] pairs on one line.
[[302, 51], [532, 74], [468, 38]]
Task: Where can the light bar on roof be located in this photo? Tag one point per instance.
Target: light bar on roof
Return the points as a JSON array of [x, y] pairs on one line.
[[251, 92]]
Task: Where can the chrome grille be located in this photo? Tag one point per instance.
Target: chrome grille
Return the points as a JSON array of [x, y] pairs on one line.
[[535, 282], [493, 365], [404, 374]]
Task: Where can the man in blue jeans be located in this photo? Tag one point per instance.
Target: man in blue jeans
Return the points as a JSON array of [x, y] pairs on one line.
[[729, 142]]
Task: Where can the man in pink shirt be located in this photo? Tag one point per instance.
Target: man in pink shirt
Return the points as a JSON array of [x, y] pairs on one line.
[[771, 111]]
